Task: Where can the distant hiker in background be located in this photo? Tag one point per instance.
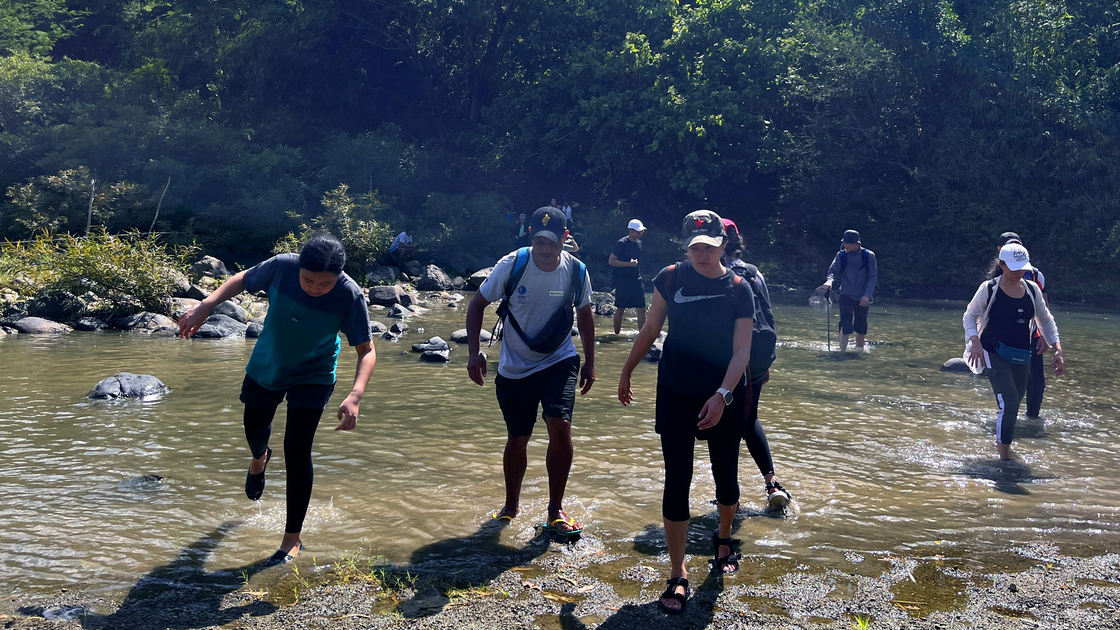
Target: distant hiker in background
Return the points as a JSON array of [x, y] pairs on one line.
[[1036, 381], [627, 279], [539, 288], [566, 207], [854, 267], [403, 249], [997, 330], [521, 235]]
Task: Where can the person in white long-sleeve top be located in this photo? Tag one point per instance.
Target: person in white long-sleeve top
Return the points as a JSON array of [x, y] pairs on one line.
[[997, 329]]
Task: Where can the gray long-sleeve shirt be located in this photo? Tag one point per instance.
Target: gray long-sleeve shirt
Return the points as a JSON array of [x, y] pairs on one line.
[[857, 280]]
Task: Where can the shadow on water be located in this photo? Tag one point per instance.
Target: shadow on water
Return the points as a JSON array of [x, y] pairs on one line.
[[463, 563], [1008, 476], [183, 594]]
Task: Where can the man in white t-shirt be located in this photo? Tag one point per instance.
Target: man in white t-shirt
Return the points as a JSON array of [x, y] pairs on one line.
[[538, 365], [403, 249]]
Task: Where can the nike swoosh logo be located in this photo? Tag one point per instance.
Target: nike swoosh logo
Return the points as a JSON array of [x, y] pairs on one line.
[[680, 298]]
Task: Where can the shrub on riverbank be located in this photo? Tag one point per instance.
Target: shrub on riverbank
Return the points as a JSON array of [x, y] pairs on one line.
[[364, 238], [116, 275]]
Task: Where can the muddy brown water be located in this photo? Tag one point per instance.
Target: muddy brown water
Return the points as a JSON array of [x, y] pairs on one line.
[[885, 455]]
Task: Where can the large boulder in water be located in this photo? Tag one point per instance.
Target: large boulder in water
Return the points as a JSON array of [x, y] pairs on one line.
[[231, 310], [414, 268], [128, 385], [220, 327], [380, 274], [385, 296], [434, 279], [460, 336], [151, 323], [209, 266], [253, 330], [377, 327], [434, 344], [398, 328], [603, 304], [436, 356], [477, 278], [956, 364], [37, 326], [399, 312]]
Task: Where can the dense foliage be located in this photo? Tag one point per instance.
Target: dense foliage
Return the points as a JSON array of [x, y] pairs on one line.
[[928, 125]]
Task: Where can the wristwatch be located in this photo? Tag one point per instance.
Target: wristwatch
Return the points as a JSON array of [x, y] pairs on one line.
[[727, 397]]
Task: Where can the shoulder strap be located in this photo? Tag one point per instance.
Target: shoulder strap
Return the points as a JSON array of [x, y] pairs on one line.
[[864, 250], [843, 259], [991, 291], [669, 271], [519, 264], [737, 281], [578, 274]]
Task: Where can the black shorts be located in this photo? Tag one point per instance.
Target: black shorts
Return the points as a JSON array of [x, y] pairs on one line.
[[554, 388], [629, 294], [676, 415], [303, 396]]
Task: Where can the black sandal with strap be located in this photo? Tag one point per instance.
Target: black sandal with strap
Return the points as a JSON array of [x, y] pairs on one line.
[[671, 593], [254, 482], [731, 559]]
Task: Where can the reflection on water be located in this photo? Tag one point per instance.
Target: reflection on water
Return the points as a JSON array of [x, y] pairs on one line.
[[882, 452]]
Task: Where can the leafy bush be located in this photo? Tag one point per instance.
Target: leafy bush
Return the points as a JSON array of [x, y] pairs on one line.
[[364, 238], [127, 273]]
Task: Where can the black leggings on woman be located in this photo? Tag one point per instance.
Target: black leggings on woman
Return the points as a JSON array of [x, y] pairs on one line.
[[676, 423], [755, 436], [299, 434]]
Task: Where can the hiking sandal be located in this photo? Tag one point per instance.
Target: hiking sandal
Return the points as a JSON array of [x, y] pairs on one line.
[[777, 496], [731, 559], [671, 593]]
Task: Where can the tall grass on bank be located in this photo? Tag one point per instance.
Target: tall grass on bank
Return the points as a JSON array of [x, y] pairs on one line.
[[116, 275]]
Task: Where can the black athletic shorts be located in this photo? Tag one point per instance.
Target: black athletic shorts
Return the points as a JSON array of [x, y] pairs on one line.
[[553, 388], [629, 294], [305, 396]]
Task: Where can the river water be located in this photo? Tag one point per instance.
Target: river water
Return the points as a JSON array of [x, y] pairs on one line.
[[884, 454]]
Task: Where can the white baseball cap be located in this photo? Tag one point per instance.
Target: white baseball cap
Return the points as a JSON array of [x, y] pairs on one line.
[[635, 224], [1015, 256]]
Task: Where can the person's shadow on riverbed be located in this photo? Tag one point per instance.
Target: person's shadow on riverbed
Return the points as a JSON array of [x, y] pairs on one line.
[[464, 563], [183, 594]]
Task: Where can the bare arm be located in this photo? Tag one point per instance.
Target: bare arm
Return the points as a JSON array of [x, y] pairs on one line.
[[476, 363], [585, 323], [655, 320], [348, 410], [190, 322], [613, 261]]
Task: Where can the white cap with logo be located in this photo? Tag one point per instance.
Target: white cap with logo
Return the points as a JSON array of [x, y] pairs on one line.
[[1015, 256], [635, 224]]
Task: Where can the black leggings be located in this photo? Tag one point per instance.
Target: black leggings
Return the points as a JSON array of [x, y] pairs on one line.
[[755, 436], [676, 422], [299, 434]]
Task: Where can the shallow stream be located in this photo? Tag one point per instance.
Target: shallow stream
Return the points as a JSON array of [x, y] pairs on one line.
[[885, 455]]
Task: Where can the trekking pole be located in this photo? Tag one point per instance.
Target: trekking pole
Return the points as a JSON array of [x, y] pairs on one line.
[[828, 317]]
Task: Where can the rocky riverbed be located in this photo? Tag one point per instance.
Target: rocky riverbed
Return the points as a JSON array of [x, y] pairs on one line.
[[472, 582]]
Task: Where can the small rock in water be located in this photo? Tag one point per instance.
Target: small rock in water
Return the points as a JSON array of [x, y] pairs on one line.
[[956, 364], [128, 385], [436, 356]]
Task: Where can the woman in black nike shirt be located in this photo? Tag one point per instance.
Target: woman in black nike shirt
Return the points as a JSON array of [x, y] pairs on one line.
[[701, 390]]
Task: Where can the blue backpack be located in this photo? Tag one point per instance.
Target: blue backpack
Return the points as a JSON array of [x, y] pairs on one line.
[[558, 329]]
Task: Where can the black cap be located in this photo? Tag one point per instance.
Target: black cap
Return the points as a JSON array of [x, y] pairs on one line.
[[851, 236], [1009, 237], [548, 222], [703, 226]]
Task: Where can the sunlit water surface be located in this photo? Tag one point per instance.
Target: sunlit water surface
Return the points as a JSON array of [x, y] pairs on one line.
[[884, 454]]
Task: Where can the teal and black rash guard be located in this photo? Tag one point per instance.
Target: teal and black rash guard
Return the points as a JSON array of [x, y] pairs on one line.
[[702, 313], [299, 342]]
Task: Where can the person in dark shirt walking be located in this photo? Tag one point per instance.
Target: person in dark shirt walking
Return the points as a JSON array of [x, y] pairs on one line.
[[628, 289]]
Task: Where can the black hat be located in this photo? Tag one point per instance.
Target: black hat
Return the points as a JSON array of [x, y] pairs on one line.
[[548, 222], [1009, 237], [851, 236], [703, 226]]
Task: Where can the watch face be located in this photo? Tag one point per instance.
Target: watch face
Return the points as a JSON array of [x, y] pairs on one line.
[[727, 398]]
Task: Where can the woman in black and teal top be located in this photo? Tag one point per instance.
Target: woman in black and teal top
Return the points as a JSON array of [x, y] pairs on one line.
[[701, 390], [998, 336], [311, 300]]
